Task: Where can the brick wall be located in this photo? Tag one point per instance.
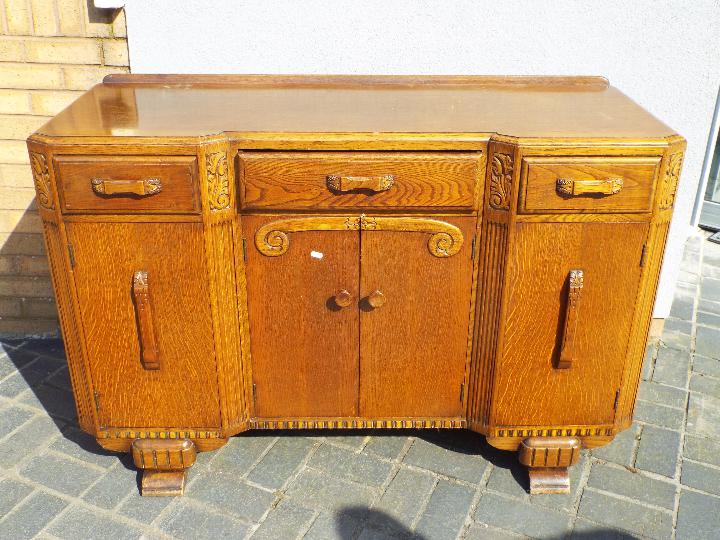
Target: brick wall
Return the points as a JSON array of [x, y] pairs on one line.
[[50, 51]]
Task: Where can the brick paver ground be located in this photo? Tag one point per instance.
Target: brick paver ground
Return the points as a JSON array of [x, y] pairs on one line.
[[659, 479]]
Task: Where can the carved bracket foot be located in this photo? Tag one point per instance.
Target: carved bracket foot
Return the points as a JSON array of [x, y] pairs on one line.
[[548, 459], [164, 464]]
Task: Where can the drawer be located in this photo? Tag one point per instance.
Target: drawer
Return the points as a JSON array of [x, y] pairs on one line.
[[128, 184], [587, 184], [334, 180]]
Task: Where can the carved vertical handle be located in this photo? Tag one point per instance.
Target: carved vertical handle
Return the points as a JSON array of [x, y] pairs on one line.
[[149, 353], [572, 310]]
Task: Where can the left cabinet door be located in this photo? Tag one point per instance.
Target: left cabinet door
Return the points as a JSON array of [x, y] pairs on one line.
[[130, 318], [303, 314]]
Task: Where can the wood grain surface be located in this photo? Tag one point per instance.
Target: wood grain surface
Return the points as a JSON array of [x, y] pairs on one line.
[[304, 347], [539, 193], [298, 180], [539, 107], [414, 345], [184, 391], [177, 175], [657, 238], [71, 329], [529, 389]]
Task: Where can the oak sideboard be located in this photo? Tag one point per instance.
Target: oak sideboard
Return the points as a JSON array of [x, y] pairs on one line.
[[232, 253]]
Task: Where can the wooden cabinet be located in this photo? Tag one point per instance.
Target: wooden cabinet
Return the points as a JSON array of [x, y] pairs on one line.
[[238, 253]]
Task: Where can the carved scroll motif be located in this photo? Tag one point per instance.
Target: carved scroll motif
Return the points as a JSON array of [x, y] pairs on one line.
[[501, 181], [670, 182], [445, 239], [41, 176], [217, 181]]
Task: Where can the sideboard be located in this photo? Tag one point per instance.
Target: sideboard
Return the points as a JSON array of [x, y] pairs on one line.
[[301, 252]]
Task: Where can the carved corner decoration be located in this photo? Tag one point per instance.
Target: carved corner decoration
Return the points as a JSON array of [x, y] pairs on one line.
[[41, 176], [445, 241], [217, 181], [501, 172], [670, 181]]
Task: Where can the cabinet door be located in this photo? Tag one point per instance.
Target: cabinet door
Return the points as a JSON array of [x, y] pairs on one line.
[[304, 344], [531, 388], [413, 347], [181, 390]]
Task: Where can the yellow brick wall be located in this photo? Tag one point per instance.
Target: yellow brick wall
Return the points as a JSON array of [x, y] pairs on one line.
[[50, 51]]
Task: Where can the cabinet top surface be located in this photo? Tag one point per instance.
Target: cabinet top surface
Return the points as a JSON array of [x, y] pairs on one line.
[[191, 106]]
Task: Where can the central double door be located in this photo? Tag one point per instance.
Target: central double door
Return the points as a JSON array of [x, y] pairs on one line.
[[358, 317]]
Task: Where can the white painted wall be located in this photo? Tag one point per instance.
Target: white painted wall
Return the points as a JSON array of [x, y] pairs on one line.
[[664, 54]]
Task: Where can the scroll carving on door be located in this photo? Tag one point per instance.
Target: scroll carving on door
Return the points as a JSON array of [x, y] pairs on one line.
[[445, 239]]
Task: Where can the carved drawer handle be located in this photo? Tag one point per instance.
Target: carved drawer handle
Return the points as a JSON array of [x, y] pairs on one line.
[[143, 188], [350, 183], [568, 187], [149, 353], [343, 298], [575, 278]]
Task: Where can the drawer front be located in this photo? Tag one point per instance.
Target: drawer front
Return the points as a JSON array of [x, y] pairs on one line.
[[300, 180], [587, 184], [128, 184]]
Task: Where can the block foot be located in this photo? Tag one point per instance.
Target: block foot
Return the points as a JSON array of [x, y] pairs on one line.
[[164, 464], [162, 483], [548, 459], [549, 480]]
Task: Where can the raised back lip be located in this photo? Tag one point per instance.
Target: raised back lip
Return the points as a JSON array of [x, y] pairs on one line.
[[575, 82]]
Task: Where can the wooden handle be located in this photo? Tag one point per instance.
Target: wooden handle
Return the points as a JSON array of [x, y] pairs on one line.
[[343, 298], [376, 299], [572, 310], [145, 187], [569, 187], [349, 183], [149, 354]]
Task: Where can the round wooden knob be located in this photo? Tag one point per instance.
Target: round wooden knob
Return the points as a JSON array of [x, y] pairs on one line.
[[343, 298], [376, 299]]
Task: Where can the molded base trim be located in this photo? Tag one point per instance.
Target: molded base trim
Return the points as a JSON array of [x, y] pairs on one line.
[[357, 423]]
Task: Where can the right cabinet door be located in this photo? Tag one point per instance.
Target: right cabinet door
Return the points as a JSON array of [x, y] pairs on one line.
[[414, 317], [564, 344]]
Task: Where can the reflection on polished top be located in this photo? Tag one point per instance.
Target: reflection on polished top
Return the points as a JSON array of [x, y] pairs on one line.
[[190, 106]]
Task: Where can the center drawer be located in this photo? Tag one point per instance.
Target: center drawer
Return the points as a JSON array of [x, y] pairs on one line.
[[339, 180]]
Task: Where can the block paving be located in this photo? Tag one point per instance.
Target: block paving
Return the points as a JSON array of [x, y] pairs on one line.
[[659, 479]]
